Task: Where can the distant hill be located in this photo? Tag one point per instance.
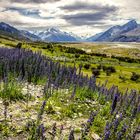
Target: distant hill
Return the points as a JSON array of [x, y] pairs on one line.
[[129, 32]]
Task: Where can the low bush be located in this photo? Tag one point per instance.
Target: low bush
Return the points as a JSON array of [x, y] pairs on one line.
[[87, 66], [95, 72], [135, 77], [77, 55], [109, 70]]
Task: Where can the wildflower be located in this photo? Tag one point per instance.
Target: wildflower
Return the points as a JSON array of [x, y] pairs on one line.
[[114, 103], [71, 135], [107, 135]]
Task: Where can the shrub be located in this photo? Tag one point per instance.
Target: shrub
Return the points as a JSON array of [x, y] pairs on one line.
[[77, 55], [122, 77], [109, 70], [104, 68], [87, 66], [49, 46], [108, 73], [93, 68], [135, 76], [112, 69], [95, 72], [99, 67], [74, 50], [85, 58]]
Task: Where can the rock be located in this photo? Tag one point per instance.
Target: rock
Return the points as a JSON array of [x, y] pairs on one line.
[[19, 131], [95, 136], [137, 137]]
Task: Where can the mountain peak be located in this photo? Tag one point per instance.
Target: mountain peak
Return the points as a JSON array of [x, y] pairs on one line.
[[8, 28], [53, 34], [117, 33], [3, 24], [53, 29], [131, 23]]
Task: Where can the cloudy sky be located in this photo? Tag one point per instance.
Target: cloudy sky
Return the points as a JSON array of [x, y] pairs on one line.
[[82, 17]]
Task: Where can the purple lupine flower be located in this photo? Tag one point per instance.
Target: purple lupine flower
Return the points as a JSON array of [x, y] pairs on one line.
[[116, 124], [107, 131], [119, 135], [134, 112], [114, 103], [54, 128], [88, 125], [107, 135], [121, 132], [74, 92], [71, 135], [138, 109], [108, 126], [91, 118], [41, 112]]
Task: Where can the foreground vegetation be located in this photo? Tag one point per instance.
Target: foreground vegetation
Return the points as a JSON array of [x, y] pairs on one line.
[[44, 99]]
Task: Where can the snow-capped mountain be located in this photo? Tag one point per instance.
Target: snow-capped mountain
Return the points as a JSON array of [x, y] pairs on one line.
[[30, 35], [6, 29], [55, 35], [129, 32], [119, 33], [129, 26], [78, 38], [94, 37], [9, 30]]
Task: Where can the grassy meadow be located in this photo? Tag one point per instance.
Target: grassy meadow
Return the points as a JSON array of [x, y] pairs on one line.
[[124, 70], [69, 91]]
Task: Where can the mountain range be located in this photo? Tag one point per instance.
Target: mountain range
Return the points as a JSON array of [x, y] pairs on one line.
[[129, 32], [55, 35]]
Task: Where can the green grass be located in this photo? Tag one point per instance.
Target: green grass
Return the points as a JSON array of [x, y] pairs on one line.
[[123, 69], [11, 91]]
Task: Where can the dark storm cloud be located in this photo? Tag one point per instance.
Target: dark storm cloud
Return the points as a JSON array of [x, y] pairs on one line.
[[96, 14], [86, 6], [85, 18], [33, 1]]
